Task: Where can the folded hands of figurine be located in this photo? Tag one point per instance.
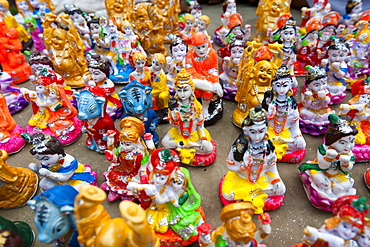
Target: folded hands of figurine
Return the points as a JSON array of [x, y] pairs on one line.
[[331, 154], [344, 160]]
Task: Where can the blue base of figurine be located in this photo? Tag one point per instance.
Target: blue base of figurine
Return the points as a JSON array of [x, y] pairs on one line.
[[123, 75]]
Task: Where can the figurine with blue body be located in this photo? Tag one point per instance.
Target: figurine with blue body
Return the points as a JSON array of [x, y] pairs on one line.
[[92, 105], [137, 101], [314, 107], [283, 119], [56, 167], [16, 233], [188, 134], [327, 178], [99, 71], [252, 170], [54, 209], [337, 70]]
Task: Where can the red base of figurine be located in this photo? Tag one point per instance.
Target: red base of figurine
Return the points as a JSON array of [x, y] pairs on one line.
[[271, 203], [361, 152], [204, 159], [20, 74], [294, 157], [367, 177], [16, 142]]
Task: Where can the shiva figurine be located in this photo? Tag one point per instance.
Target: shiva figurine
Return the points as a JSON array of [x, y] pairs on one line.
[[56, 167], [314, 107], [327, 178], [283, 119], [92, 104], [252, 170]]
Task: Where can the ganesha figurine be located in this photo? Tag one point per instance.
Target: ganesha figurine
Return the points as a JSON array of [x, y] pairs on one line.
[[314, 107], [327, 178], [252, 170]]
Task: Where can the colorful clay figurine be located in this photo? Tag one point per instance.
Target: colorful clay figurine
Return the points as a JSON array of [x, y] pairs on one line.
[[120, 9], [363, 238], [283, 119], [99, 42], [54, 209], [253, 174], [66, 49], [53, 113], [19, 184], [56, 167], [12, 93], [341, 230], [175, 212], [10, 132], [11, 58], [137, 100], [189, 28], [238, 227], [201, 63], [170, 11], [230, 66], [26, 10], [92, 105], [202, 25], [336, 69], [318, 10], [16, 233], [256, 70], [327, 177], [229, 8], [188, 135], [99, 71], [353, 12], [141, 71], [128, 160], [40, 8], [314, 107], [97, 228]]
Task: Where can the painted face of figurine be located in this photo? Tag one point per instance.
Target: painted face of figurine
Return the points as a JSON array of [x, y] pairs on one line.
[[159, 179], [35, 3], [97, 75], [231, 8], [282, 86], [276, 8], [52, 95], [58, 39], [184, 91], [288, 34], [325, 36], [23, 6], [312, 36], [344, 144], [139, 64], [361, 50], [363, 239], [338, 55], [179, 52], [40, 89], [177, 184], [256, 132], [357, 9], [236, 52], [347, 230], [189, 24], [77, 18], [196, 13], [156, 66], [127, 146], [38, 67], [237, 31], [48, 159], [95, 28], [263, 72], [112, 28], [364, 99], [318, 85], [201, 50], [127, 30], [202, 25]]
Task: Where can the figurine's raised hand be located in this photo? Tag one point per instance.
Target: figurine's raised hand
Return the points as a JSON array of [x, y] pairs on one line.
[[308, 94], [321, 93], [311, 235], [331, 154], [345, 161]]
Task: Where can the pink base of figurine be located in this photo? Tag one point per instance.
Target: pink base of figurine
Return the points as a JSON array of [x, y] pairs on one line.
[[361, 152], [336, 99], [95, 174], [294, 157], [311, 128], [114, 194], [204, 159], [16, 142], [68, 139], [271, 203]]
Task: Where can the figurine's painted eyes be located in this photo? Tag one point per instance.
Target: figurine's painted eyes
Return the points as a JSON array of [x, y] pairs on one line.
[[59, 226], [92, 108]]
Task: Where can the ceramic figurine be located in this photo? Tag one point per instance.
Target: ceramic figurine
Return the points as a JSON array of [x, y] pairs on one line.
[[363, 238], [256, 70], [170, 11], [16, 233], [314, 107], [141, 73], [358, 110], [229, 8], [11, 58], [99, 71], [54, 209], [19, 184], [253, 174], [66, 49], [342, 229], [56, 167], [330, 22], [97, 228], [318, 10], [238, 227], [175, 212], [137, 100], [230, 66], [160, 90], [12, 93], [99, 42], [26, 10], [327, 177], [40, 8], [188, 135], [353, 12], [189, 28], [53, 113], [202, 25], [267, 14], [10, 132], [121, 9], [92, 105], [175, 62], [283, 119], [201, 63], [128, 160]]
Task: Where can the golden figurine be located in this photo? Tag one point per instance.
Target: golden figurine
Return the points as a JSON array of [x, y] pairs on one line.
[[97, 229], [18, 184], [256, 71], [121, 9], [66, 49], [170, 10]]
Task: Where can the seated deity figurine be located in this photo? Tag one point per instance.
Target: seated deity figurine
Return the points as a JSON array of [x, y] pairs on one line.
[[314, 107], [99, 41], [201, 63], [353, 12], [283, 119], [188, 135], [141, 71], [189, 28], [327, 177], [56, 167], [229, 8], [337, 70], [253, 175], [12, 93], [363, 238]]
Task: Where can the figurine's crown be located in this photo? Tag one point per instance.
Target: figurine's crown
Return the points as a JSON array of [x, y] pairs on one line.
[[285, 20], [330, 18], [263, 53], [237, 42], [183, 77], [353, 3], [257, 115], [338, 44], [315, 72], [338, 125], [132, 129], [71, 7], [282, 71]]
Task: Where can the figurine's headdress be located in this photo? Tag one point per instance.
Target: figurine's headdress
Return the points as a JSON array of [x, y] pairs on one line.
[[47, 77], [199, 39], [361, 87], [331, 18], [338, 128], [132, 129], [263, 53], [282, 72], [313, 24], [363, 35], [43, 144], [351, 4], [235, 19], [100, 64], [183, 77], [164, 161], [338, 44], [365, 16], [257, 115], [351, 209], [71, 9], [314, 73], [285, 20], [237, 42]]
